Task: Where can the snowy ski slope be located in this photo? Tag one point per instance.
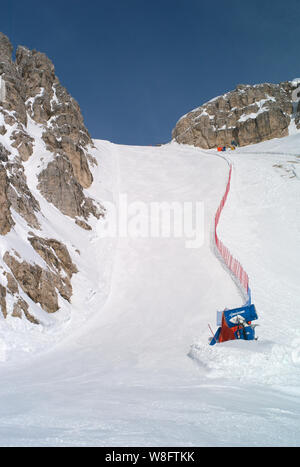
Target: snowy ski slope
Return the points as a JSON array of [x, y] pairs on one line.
[[134, 367]]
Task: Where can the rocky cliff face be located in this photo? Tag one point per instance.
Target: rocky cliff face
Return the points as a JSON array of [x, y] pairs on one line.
[[45, 160], [248, 115]]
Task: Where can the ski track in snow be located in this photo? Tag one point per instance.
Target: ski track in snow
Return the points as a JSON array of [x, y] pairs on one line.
[[115, 371]]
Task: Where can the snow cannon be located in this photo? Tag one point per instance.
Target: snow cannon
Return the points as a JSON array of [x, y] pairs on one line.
[[247, 313], [235, 324]]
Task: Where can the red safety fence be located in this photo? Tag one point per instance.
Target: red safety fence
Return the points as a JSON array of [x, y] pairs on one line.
[[234, 265]]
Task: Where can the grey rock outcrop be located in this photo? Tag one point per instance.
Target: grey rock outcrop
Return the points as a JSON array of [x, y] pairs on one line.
[[35, 281], [13, 105], [32, 90], [22, 308], [42, 131], [3, 301], [41, 284], [248, 115], [6, 221], [49, 103], [6, 48], [20, 196], [60, 187]]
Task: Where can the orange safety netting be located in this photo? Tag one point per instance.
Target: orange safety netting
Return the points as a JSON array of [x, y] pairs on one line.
[[233, 264]]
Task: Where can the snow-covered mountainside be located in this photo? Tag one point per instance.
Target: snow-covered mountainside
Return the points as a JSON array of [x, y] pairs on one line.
[[140, 371], [104, 326], [47, 171]]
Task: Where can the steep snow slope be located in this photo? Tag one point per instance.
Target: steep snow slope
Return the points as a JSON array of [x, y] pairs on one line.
[[90, 285], [261, 226], [124, 377]]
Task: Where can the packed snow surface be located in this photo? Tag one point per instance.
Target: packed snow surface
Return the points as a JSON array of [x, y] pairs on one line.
[[129, 364]]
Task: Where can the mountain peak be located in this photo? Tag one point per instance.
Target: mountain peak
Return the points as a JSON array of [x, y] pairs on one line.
[[6, 47], [45, 167]]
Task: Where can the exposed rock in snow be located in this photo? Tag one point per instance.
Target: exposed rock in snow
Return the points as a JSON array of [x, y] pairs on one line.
[[46, 159], [248, 115], [6, 221], [21, 309], [42, 284], [50, 105], [3, 301], [59, 186]]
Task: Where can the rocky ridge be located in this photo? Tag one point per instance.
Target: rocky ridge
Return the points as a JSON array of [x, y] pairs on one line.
[[247, 115], [40, 125]]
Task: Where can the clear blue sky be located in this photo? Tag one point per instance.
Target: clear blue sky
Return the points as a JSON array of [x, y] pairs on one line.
[[136, 66]]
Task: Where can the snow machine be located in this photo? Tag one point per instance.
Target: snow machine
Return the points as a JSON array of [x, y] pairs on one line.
[[235, 324]]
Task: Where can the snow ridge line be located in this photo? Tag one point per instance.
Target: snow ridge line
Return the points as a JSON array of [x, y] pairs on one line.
[[231, 263]]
